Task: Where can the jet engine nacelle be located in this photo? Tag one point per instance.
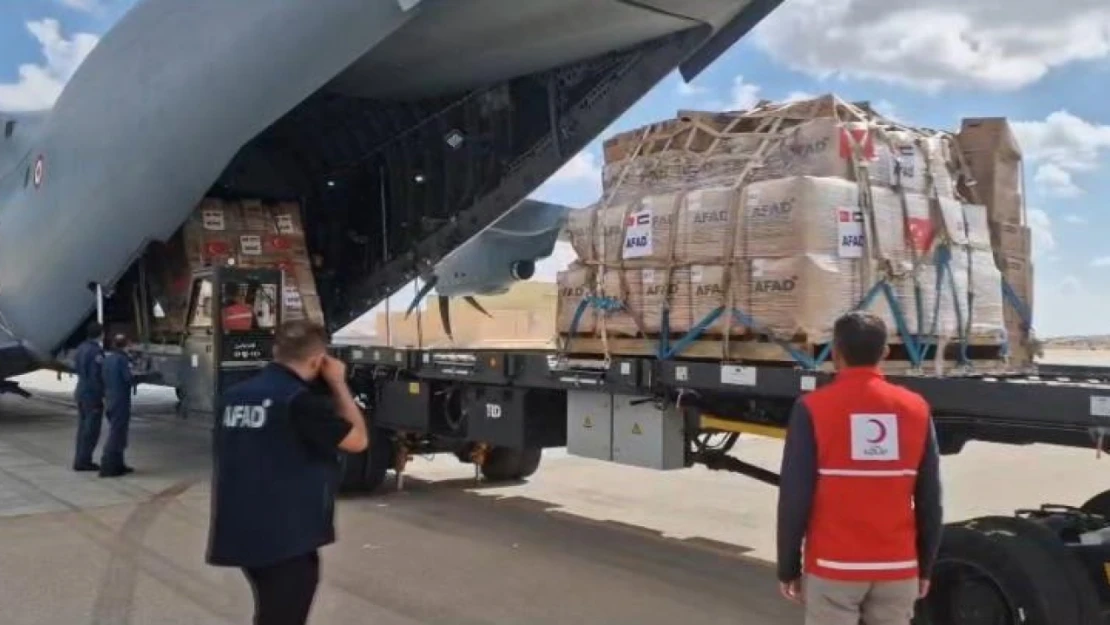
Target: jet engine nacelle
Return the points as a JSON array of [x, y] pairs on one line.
[[523, 269]]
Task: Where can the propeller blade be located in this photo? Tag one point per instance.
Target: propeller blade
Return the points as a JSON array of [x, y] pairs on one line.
[[445, 315], [424, 290], [473, 302]]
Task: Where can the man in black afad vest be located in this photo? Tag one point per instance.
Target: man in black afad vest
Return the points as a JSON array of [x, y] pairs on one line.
[[276, 442]]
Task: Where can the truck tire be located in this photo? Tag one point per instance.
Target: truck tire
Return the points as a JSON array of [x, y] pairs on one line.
[[980, 578], [1099, 504], [507, 464], [1083, 597]]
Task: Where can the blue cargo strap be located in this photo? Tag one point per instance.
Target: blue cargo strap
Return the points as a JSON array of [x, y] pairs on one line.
[[913, 350], [1024, 314]]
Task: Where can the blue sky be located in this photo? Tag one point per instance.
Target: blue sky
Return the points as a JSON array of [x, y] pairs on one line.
[[925, 62]]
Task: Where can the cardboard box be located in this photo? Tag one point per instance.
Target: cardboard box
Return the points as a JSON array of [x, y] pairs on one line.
[[1012, 239], [1018, 273], [575, 284], [994, 159]]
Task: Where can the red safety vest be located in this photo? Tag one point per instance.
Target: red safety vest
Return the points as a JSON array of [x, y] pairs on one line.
[[871, 438], [238, 317]]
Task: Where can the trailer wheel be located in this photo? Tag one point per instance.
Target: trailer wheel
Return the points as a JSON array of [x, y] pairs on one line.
[[365, 472], [353, 468], [1078, 597], [1099, 504], [381, 452], [982, 580], [507, 464]]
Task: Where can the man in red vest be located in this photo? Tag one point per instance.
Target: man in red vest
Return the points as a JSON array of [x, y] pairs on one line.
[[861, 487]]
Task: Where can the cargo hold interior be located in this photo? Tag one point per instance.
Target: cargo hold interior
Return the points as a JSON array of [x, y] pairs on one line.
[[387, 187]]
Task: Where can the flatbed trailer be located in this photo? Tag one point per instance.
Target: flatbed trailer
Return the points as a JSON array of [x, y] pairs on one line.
[[498, 409]]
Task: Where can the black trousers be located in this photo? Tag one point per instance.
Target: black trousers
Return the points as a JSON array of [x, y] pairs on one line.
[[283, 592]]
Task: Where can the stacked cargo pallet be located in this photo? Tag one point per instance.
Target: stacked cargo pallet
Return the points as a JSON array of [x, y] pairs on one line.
[[744, 236], [995, 167], [246, 233]]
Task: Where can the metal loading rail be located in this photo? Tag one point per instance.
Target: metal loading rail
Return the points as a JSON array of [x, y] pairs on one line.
[[498, 409]]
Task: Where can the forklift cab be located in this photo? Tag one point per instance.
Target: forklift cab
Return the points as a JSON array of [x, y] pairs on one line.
[[233, 315]]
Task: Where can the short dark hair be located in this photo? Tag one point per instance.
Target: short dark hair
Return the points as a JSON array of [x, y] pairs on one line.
[[119, 341], [299, 340], [860, 338], [94, 330]]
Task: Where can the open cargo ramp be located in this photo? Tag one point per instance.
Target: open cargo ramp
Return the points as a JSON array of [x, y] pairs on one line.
[[393, 170]]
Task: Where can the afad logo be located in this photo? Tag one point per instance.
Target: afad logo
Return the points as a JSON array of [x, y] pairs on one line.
[[863, 137]]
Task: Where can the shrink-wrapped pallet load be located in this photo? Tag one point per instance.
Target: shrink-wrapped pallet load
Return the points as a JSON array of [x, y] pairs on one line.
[[804, 208]]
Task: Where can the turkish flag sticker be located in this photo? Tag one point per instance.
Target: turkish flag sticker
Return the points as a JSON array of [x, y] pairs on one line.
[[280, 243], [216, 248], [921, 233], [863, 137]]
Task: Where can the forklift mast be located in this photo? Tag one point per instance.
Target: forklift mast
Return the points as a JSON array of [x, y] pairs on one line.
[[233, 315]]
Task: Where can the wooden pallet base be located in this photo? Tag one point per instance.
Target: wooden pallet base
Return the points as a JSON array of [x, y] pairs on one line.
[[984, 358]]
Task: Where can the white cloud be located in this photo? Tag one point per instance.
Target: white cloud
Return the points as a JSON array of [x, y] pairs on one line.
[[576, 183], [744, 95], [1061, 146], [687, 89], [39, 86], [1076, 220], [87, 6], [1040, 226], [991, 44], [1056, 181], [582, 167], [1101, 261]]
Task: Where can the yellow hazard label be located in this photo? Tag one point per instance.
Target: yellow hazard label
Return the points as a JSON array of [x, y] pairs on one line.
[[414, 388], [587, 423], [636, 429]]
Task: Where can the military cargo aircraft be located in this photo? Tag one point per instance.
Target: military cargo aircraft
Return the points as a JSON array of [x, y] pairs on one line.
[[410, 125]]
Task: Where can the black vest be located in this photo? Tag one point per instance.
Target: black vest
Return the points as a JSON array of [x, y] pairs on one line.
[[272, 498]]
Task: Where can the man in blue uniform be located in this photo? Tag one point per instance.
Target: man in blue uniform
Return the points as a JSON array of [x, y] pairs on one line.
[[89, 396], [276, 441], [117, 393]]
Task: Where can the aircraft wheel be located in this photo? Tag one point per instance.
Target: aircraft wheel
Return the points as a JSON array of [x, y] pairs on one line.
[[506, 464]]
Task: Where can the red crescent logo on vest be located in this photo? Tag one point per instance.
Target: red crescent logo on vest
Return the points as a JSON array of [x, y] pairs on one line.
[[280, 243], [39, 171], [882, 432], [216, 248]]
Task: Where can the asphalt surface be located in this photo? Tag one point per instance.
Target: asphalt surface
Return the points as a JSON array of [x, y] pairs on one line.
[[581, 542], [76, 549]]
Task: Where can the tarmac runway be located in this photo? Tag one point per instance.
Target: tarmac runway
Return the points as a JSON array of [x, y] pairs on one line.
[[582, 542]]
